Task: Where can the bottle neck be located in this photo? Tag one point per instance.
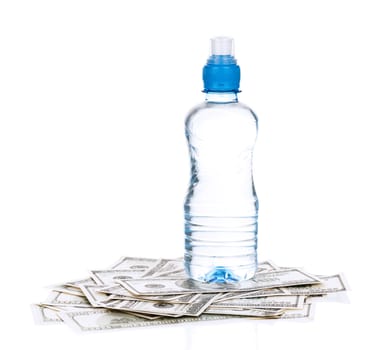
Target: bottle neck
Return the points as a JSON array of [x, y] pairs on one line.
[[221, 97]]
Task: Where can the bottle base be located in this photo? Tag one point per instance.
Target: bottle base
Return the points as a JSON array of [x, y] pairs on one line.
[[220, 274]]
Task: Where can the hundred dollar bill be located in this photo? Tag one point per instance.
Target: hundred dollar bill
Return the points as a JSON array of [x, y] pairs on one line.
[[259, 313], [163, 267], [106, 277], [75, 284], [329, 284], [90, 320], [116, 289], [178, 274], [164, 308], [119, 292], [68, 290], [113, 305], [47, 314], [255, 294], [306, 312], [178, 299], [131, 263], [264, 280], [64, 299], [44, 315], [93, 295], [145, 316], [267, 265], [270, 302]]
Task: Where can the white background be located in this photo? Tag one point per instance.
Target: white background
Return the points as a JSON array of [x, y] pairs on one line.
[[94, 162]]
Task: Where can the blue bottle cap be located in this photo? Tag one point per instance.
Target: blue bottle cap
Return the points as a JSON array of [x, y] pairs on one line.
[[221, 73]]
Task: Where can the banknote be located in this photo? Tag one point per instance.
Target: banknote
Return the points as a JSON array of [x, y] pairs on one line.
[[76, 283], [49, 314], [270, 279], [329, 284], [165, 267], [246, 311], [115, 305], [268, 302], [130, 263], [106, 277], [267, 265], [179, 299], [177, 274], [119, 292], [44, 315], [116, 289], [68, 290], [64, 299], [101, 319], [306, 312], [255, 294], [165, 308], [92, 294], [141, 315]]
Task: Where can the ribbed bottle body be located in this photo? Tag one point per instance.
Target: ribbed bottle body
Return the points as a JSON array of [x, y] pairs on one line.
[[221, 206]]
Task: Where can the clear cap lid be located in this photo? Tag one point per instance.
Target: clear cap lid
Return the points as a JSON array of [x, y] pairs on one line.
[[222, 45]]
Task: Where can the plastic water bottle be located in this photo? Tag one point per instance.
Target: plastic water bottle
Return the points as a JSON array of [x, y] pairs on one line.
[[221, 206]]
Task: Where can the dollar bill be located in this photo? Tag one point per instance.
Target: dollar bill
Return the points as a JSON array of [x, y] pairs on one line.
[[116, 289], [145, 316], [267, 265], [178, 299], [270, 302], [90, 320], [254, 294], [64, 299], [249, 312], [165, 267], [115, 305], [106, 277], [130, 263], [92, 294], [271, 279], [165, 308], [44, 315], [68, 290], [306, 312], [119, 292], [329, 284], [75, 284], [177, 274]]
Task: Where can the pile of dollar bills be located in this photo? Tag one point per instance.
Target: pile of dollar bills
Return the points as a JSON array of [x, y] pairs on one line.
[[142, 292]]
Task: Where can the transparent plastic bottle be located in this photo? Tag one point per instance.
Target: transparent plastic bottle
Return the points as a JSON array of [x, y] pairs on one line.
[[221, 206]]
